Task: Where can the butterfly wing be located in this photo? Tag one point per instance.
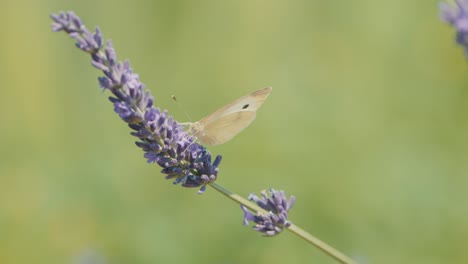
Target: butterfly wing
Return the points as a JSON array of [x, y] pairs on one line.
[[225, 123], [224, 128]]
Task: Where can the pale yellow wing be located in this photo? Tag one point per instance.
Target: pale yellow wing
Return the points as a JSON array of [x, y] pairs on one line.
[[225, 123], [225, 127], [248, 103]]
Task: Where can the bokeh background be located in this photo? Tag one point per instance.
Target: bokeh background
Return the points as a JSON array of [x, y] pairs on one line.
[[366, 126]]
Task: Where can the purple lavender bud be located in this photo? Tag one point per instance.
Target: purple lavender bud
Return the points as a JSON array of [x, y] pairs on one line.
[[127, 114], [163, 140], [98, 38], [105, 82], [66, 21], [99, 65], [71, 23], [110, 54], [277, 205], [457, 16], [75, 20]]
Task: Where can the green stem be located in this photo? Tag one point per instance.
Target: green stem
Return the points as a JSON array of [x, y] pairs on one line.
[[293, 228], [321, 245], [238, 199]]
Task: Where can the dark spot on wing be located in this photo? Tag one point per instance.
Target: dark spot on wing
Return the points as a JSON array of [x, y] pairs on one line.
[[245, 106]]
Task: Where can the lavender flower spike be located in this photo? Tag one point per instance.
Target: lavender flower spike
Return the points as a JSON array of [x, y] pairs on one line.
[[457, 16], [162, 139], [277, 205]]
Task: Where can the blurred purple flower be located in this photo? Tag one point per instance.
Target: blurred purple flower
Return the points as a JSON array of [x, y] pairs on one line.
[[162, 139], [277, 205], [89, 256], [457, 16]]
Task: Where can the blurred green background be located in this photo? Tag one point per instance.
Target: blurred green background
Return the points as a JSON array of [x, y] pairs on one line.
[[366, 126]]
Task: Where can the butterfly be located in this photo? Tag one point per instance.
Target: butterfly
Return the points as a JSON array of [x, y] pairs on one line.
[[228, 121]]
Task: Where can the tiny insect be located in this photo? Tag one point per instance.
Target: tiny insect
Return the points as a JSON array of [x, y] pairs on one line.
[[228, 121]]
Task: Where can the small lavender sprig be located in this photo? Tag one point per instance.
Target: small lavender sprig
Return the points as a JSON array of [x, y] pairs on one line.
[[342, 258], [457, 16], [167, 144], [163, 140], [277, 205]]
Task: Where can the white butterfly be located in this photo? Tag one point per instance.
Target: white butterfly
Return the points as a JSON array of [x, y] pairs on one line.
[[225, 123]]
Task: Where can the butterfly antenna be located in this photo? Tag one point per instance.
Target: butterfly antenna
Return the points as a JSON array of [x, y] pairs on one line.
[[180, 107]]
